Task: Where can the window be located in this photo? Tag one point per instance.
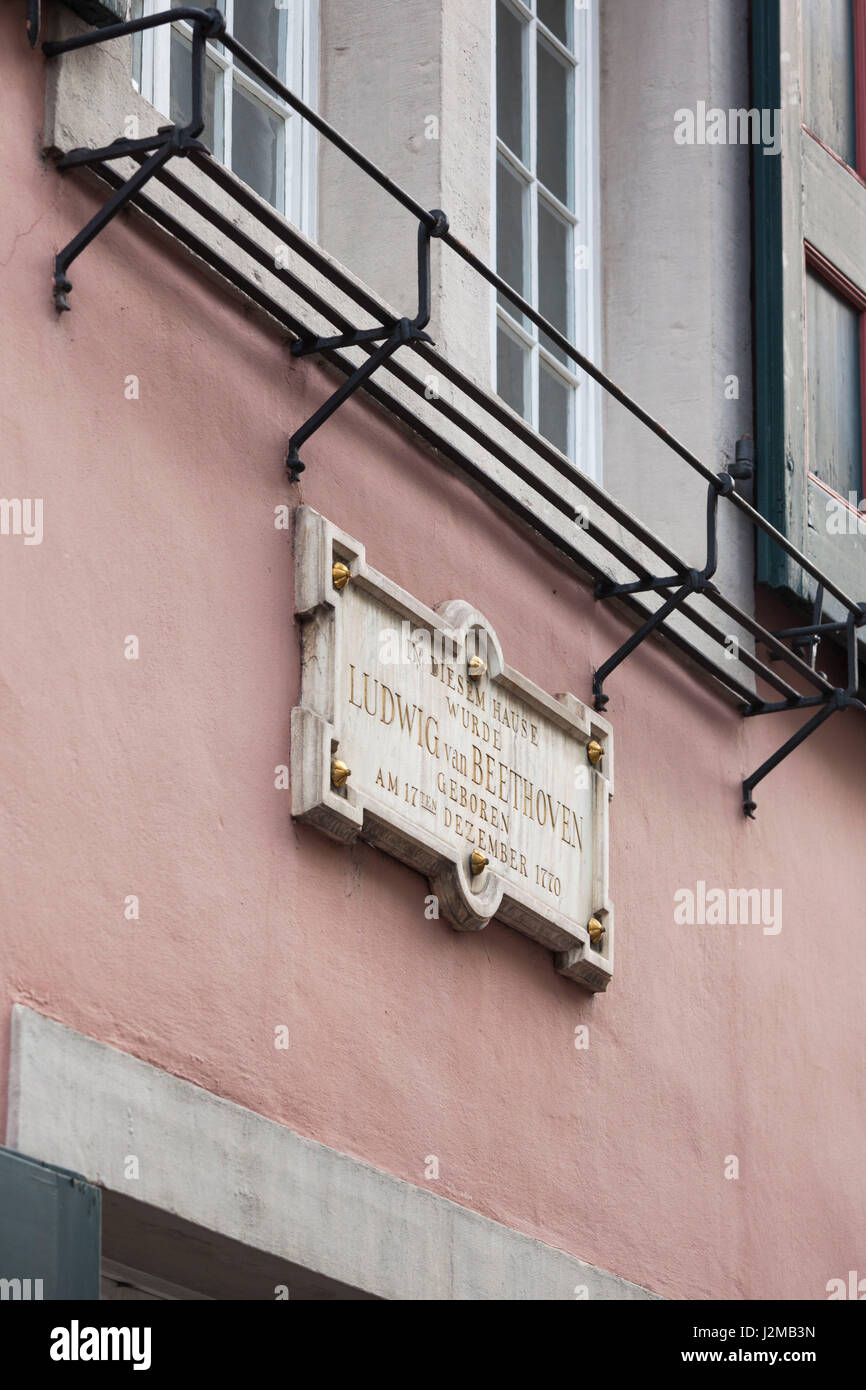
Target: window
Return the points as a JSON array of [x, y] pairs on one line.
[[546, 172], [834, 85], [261, 139]]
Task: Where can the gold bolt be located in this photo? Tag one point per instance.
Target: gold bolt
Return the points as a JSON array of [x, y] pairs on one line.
[[340, 574], [594, 752], [477, 668], [340, 773], [477, 861], [596, 930]]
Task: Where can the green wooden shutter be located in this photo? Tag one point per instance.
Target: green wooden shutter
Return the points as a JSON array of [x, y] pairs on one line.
[[49, 1231], [809, 219]]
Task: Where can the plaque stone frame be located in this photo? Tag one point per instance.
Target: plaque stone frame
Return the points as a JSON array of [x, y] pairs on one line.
[[467, 899]]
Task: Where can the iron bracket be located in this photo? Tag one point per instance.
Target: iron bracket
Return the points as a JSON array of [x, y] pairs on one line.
[[688, 581], [803, 639], [168, 142], [808, 638], [390, 336]]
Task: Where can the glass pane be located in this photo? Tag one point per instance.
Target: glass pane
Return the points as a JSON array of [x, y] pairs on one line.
[[258, 144], [512, 362], [554, 407], [257, 26], [136, 12], [181, 93], [510, 232], [555, 291], [834, 388], [510, 87], [557, 15], [555, 147], [828, 74]]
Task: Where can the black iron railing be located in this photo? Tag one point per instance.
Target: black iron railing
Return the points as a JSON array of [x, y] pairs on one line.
[[380, 345]]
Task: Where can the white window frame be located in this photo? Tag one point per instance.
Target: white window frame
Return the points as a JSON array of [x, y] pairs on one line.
[[297, 181], [585, 413]]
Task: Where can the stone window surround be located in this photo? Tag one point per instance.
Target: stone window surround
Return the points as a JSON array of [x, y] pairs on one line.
[[90, 99]]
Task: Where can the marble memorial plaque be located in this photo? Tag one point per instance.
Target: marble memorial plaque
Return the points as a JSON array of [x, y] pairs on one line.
[[414, 735]]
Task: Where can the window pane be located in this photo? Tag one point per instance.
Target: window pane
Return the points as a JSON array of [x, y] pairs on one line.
[[510, 232], [828, 74], [834, 389], [555, 148], [556, 294], [557, 15], [554, 407], [258, 144], [257, 26], [136, 12], [181, 93], [510, 101], [512, 363]]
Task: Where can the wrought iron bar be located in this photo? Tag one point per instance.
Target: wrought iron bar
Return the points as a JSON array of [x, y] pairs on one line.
[[401, 334], [229, 229], [692, 582], [169, 140], [181, 232], [840, 698]]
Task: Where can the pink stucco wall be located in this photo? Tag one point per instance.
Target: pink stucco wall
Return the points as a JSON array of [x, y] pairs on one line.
[[155, 778]]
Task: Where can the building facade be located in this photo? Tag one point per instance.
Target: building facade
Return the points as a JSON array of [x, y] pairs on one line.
[[432, 404]]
